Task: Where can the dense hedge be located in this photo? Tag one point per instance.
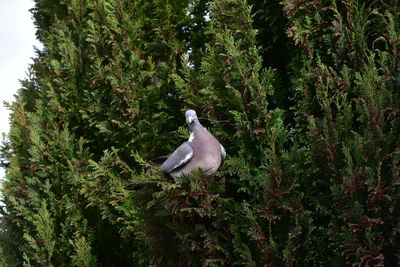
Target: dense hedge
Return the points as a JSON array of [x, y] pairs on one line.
[[304, 95]]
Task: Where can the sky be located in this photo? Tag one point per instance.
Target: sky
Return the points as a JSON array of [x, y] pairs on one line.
[[17, 33]]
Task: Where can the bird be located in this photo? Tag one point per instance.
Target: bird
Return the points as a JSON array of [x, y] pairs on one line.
[[201, 151]]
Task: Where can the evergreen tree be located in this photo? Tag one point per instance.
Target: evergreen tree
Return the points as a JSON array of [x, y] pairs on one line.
[[303, 95]]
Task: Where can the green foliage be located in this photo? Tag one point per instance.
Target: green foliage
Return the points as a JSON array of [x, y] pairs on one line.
[[303, 95]]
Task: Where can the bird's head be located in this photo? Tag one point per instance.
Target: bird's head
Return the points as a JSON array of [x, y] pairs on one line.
[[192, 120]]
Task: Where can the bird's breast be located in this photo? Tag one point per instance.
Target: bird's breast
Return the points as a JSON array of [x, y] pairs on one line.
[[206, 152]]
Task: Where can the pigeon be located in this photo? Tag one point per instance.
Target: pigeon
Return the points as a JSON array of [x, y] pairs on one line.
[[201, 151]]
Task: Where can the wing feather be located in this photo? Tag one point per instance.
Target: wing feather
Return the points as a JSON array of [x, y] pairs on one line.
[[180, 157], [223, 153]]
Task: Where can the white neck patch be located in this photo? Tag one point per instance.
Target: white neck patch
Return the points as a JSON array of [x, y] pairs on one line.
[[191, 137]]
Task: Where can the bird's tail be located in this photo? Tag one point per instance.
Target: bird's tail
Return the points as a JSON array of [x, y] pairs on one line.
[[154, 162], [160, 160]]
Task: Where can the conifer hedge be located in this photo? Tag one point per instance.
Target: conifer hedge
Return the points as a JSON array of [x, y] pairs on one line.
[[304, 95]]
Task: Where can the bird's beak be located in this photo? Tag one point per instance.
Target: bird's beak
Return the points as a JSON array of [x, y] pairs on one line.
[[190, 120]]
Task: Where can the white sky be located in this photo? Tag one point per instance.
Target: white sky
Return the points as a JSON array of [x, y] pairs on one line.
[[17, 33]]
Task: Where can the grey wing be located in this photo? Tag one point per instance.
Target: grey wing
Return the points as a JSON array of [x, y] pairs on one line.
[[179, 158], [223, 153]]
